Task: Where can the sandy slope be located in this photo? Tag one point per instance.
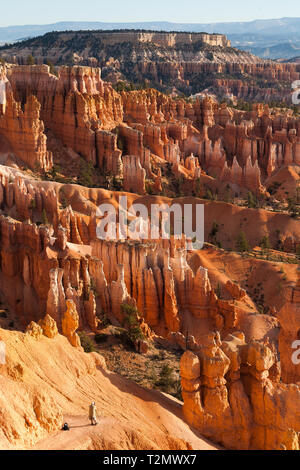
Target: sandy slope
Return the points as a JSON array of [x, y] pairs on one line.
[[46, 382]]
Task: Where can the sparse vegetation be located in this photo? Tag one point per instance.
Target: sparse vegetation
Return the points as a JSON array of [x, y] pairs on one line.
[[242, 243], [63, 199], [251, 201], [293, 208], [168, 382], [131, 323], [100, 338], [265, 243], [87, 343], [30, 60], [45, 218], [85, 177]]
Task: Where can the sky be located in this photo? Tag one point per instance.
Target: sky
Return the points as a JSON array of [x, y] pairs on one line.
[[20, 12]]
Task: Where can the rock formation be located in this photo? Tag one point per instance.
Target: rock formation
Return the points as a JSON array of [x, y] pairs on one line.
[[173, 60], [230, 395], [49, 327], [240, 386], [112, 131], [70, 323], [24, 132], [134, 175]]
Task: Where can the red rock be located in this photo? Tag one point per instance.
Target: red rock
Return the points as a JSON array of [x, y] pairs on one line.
[[70, 323], [25, 133], [247, 409], [134, 175]]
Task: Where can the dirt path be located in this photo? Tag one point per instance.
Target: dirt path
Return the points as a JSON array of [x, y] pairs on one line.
[[82, 435], [62, 379], [79, 437]]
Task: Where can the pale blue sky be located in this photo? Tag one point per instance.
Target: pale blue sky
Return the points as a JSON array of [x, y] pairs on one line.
[[14, 12]]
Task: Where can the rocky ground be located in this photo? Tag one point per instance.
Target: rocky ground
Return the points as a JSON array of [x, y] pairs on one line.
[[158, 368]]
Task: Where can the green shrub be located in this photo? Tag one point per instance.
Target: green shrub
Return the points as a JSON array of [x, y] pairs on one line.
[[87, 343], [251, 201], [100, 338], [168, 383], [242, 243], [292, 208], [166, 377], [63, 199], [214, 232], [104, 320], [265, 243], [134, 331], [85, 177], [30, 60]]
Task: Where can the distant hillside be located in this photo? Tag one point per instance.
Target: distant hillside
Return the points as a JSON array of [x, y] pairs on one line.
[[295, 60], [260, 37], [278, 27], [278, 51], [172, 62], [100, 48], [188, 62]]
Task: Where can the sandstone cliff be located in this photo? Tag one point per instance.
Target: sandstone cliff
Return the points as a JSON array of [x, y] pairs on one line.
[[192, 62], [56, 276], [231, 391], [243, 150]]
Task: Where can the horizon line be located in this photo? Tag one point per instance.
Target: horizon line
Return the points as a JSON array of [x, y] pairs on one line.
[[151, 22]]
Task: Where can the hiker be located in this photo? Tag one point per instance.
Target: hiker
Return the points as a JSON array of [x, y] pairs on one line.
[[93, 414]]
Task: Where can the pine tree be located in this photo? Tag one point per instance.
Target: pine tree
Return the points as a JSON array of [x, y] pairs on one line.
[[242, 243], [30, 60], [265, 243], [251, 201]]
